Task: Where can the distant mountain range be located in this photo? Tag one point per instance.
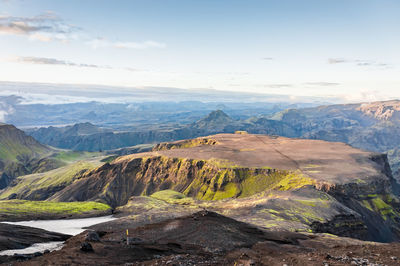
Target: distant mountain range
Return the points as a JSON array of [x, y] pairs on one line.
[[18, 111], [369, 126], [88, 137]]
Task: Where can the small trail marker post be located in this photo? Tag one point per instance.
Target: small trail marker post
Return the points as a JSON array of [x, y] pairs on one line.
[[127, 237]]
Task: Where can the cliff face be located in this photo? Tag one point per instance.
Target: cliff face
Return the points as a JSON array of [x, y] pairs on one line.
[[319, 186], [376, 201], [201, 179]]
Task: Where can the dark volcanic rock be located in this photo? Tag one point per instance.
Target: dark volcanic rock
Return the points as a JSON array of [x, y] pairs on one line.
[[92, 236], [206, 238], [343, 225], [204, 234], [210, 231], [86, 247]]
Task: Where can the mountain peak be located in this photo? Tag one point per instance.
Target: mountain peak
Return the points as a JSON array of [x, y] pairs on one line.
[[217, 115], [214, 121], [83, 129]]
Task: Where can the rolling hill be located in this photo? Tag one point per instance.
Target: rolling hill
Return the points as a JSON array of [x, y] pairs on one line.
[[20, 154]]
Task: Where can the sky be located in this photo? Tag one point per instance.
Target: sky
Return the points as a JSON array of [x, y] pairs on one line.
[[321, 48]]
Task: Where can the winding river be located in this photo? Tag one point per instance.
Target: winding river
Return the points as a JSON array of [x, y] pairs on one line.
[[65, 226]]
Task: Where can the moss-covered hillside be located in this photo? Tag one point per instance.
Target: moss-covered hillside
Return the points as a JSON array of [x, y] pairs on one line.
[[21, 154], [14, 210]]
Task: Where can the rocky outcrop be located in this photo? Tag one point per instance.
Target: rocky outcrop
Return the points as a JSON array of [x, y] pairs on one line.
[[386, 111], [343, 225]]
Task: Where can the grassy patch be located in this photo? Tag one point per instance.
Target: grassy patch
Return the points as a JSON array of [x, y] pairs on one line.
[[226, 164], [168, 195], [11, 149], [293, 181], [381, 204], [185, 144], [24, 207], [230, 190], [171, 196], [73, 156]]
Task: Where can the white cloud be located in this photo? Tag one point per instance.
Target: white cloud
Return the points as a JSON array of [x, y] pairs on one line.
[[49, 26], [322, 83], [40, 37], [45, 27], [5, 109], [359, 62], [53, 61], [104, 43]]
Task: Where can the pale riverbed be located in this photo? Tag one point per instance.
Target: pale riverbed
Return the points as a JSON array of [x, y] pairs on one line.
[[65, 226], [69, 227]]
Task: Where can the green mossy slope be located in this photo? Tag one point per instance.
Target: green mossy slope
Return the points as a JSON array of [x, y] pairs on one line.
[[201, 179], [19, 154], [184, 144], [22, 209]]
